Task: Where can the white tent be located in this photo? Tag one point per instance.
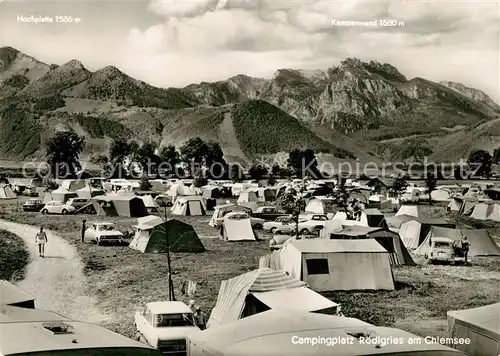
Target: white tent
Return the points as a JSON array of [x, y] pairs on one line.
[[88, 192], [149, 203], [179, 188], [321, 205], [486, 211], [72, 185], [221, 210], [342, 217], [237, 227], [189, 205], [60, 194], [248, 196], [329, 265], [331, 226], [440, 195], [411, 210], [6, 192]]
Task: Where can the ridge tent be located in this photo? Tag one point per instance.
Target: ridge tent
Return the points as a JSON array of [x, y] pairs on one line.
[[257, 291], [375, 218], [412, 210], [88, 192], [379, 202], [221, 210], [60, 194], [119, 205], [211, 191], [387, 239], [284, 332], [394, 222], [330, 265], [189, 206], [321, 205], [149, 203], [6, 192], [248, 196], [481, 244], [480, 325], [179, 188], [237, 226], [12, 295], [150, 236], [342, 217], [414, 232], [486, 211]]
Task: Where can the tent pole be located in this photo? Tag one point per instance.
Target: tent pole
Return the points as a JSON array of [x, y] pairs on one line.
[[171, 296]]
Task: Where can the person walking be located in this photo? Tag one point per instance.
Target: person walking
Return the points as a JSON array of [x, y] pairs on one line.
[[41, 240], [84, 227]]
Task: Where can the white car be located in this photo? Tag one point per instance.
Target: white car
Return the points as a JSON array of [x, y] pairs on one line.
[[104, 232], [165, 326], [272, 226], [57, 207], [308, 224]]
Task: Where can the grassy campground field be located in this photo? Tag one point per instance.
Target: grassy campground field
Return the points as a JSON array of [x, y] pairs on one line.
[[123, 279], [14, 256]]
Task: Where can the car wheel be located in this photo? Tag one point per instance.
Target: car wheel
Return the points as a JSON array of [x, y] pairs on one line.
[[64, 212], [44, 211], [273, 230], [304, 232], [258, 226]]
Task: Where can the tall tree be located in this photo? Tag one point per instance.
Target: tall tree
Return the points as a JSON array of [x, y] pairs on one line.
[[63, 153], [292, 202], [215, 162], [169, 159], [496, 156], [341, 194], [294, 162], [236, 173], [430, 184], [276, 170], [310, 164], [481, 161], [194, 151], [257, 172], [145, 184], [399, 186]]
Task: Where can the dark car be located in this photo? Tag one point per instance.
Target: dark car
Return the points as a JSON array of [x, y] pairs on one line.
[[268, 213], [33, 205], [78, 203]]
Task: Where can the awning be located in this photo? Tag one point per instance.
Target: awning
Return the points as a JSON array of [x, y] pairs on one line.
[[301, 299]]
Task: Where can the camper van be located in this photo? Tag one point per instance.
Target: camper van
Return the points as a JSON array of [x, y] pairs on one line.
[[445, 250]]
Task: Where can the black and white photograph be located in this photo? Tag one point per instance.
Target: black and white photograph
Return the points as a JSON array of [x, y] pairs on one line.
[[249, 178]]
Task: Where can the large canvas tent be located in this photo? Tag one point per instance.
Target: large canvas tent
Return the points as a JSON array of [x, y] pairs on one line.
[[260, 290], [375, 218], [248, 196], [237, 227], [72, 185], [6, 192], [221, 210], [390, 240], [150, 236], [119, 205], [149, 203], [189, 206], [11, 294], [480, 325], [414, 232], [329, 265], [284, 332], [481, 243], [60, 194]]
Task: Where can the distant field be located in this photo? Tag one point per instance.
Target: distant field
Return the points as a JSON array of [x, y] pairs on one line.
[[124, 279]]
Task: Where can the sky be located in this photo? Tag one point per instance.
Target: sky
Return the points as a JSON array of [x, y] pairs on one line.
[[175, 43]]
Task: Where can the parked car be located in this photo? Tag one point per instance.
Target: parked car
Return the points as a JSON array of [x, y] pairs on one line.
[[268, 213], [308, 224], [445, 250], [272, 226], [165, 326], [78, 203], [103, 232], [57, 207], [33, 205]]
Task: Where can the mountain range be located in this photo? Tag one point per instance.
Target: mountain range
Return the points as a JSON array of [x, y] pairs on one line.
[[364, 110]]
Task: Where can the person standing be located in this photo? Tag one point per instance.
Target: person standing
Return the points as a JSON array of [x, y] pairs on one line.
[[41, 240], [84, 227], [465, 248], [199, 318]]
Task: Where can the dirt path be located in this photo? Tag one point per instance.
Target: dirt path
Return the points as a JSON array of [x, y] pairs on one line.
[[57, 281]]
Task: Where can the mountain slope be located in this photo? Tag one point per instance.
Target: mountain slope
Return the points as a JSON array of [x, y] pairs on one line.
[[366, 110]]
